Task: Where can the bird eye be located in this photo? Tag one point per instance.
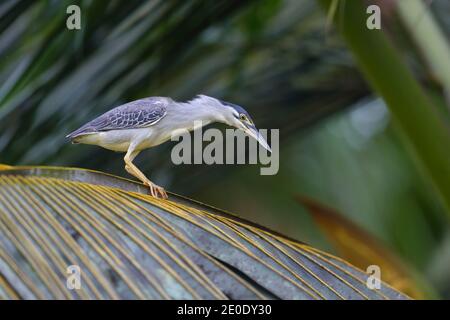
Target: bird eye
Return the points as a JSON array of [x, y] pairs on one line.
[[243, 117]]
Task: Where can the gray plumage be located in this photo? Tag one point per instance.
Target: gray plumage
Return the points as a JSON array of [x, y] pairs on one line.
[[148, 122], [136, 114]]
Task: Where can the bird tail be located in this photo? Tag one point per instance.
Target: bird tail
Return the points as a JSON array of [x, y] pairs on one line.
[[79, 132]]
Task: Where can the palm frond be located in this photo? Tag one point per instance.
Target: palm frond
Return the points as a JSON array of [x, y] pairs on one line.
[[361, 248], [130, 245]]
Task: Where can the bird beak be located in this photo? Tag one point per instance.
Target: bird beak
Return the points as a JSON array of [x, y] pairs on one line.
[[253, 132]]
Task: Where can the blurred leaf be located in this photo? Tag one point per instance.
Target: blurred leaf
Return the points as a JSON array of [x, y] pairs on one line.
[[412, 111], [131, 245], [430, 39], [4, 167], [360, 248], [332, 12]]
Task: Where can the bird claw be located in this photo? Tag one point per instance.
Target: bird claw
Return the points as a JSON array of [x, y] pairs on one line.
[[156, 191]]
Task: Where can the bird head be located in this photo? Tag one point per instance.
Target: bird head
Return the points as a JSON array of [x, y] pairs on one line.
[[238, 117], [234, 116]]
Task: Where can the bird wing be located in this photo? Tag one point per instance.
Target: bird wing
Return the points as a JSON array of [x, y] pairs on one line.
[[136, 114]]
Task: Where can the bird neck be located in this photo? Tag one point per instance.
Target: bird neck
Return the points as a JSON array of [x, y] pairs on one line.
[[189, 112]]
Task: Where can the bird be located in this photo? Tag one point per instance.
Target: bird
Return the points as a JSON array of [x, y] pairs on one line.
[[151, 121]]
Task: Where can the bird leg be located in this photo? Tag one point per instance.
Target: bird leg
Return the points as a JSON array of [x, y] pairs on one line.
[[155, 190]]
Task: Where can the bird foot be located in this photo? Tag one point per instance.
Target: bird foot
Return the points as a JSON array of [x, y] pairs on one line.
[[156, 191]]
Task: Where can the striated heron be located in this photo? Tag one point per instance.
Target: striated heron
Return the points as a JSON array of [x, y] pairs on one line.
[[148, 122]]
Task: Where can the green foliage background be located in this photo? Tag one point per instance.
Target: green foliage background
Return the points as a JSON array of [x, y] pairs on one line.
[[278, 60]]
